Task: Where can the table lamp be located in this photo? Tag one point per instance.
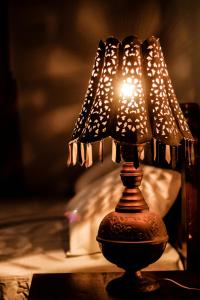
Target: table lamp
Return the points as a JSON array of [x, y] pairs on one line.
[[130, 98]]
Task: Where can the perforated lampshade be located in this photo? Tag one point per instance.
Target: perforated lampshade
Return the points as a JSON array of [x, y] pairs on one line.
[[130, 98]]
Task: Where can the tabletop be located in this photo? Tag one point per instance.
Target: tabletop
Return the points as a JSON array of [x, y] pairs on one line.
[[89, 286]]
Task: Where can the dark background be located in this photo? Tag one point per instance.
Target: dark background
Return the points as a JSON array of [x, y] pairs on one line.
[[49, 47]]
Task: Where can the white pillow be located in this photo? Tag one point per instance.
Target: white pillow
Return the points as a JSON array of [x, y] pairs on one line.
[[87, 208]]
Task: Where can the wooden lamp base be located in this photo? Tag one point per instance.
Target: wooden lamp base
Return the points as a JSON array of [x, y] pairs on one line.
[[132, 237]]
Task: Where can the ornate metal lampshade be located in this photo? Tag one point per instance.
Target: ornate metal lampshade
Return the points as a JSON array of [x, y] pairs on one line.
[[131, 99]]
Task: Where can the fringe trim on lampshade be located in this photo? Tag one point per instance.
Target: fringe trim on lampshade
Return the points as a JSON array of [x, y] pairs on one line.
[[171, 153], [69, 159], [154, 149], [167, 154], [174, 156], [74, 153], [189, 150], [192, 154], [83, 154], [162, 153], [116, 152], [141, 152], [89, 156], [101, 151]]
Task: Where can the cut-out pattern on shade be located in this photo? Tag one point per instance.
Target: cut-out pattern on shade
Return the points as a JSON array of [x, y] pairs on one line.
[[167, 120], [91, 91], [130, 98], [132, 123], [175, 107], [99, 120]]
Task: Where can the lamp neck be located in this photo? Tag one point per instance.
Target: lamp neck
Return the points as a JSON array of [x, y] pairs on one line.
[[132, 199], [130, 154]]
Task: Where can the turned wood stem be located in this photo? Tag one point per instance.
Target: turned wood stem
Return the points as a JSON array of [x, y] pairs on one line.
[[132, 199]]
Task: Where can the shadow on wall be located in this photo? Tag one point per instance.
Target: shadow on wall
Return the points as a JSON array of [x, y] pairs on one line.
[[53, 46]]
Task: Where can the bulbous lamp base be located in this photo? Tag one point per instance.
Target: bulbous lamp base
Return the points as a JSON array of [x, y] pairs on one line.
[[132, 237]]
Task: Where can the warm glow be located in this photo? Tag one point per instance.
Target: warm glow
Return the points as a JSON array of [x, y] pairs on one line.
[[127, 88]]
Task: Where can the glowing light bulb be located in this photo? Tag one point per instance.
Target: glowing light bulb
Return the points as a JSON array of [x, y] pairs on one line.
[[127, 88]]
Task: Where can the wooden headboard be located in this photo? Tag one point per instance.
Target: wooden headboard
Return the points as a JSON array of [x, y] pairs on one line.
[[183, 220], [191, 194]]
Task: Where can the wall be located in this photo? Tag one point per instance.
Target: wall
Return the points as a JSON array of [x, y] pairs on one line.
[[53, 44]]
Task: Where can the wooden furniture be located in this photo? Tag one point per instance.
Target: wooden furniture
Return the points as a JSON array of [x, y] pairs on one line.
[[183, 219], [191, 193], [89, 286]]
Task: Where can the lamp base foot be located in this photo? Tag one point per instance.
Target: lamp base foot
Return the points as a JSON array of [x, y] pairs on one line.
[[132, 282]]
